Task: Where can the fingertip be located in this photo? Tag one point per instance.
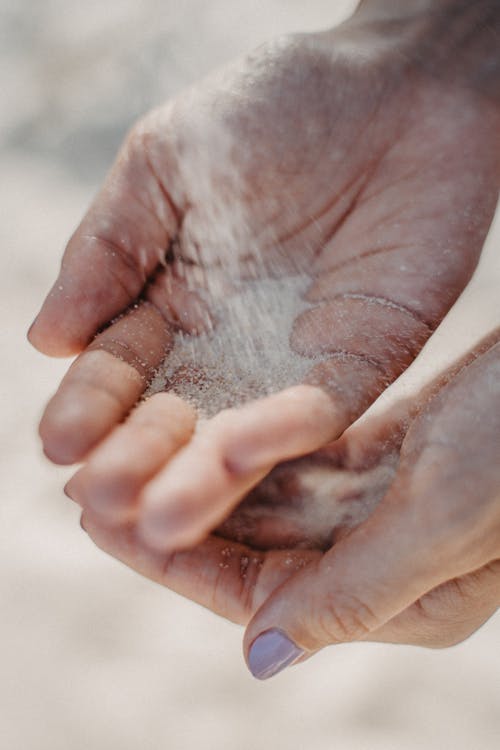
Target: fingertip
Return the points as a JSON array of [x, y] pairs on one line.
[[280, 427], [96, 393], [271, 652], [31, 332], [61, 452], [60, 444], [41, 343], [64, 439], [72, 425], [61, 328], [48, 336]]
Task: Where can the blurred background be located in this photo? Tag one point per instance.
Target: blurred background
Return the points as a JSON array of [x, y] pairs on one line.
[[92, 656]]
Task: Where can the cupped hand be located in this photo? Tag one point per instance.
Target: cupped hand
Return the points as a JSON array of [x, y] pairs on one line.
[[329, 188], [407, 506]]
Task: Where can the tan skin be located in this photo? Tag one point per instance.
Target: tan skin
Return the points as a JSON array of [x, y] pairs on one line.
[[423, 568], [336, 156]]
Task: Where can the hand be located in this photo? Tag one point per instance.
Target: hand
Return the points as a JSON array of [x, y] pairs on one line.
[[332, 160], [423, 568]]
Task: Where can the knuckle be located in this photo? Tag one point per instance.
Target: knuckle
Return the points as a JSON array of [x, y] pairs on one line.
[[443, 638], [342, 617], [447, 634], [426, 624], [450, 613]]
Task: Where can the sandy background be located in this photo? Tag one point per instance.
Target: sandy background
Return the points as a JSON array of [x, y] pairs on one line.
[[92, 656]]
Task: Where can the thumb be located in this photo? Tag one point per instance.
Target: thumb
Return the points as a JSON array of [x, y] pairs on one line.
[[364, 581], [119, 243]]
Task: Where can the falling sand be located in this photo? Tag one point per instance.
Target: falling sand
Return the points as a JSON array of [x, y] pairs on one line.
[[246, 354]]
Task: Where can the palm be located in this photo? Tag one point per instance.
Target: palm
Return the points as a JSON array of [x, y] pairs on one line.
[[303, 167], [369, 187], [310, 503]]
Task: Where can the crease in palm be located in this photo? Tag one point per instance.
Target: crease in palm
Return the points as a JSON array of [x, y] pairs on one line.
[[302, 220]]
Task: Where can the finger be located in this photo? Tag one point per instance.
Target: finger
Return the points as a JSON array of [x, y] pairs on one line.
[[103, 384], [110, 481], [425, 532], [448, 614], [229, 579], [233, 580], [119, 243], [364, 581], [227, 456]]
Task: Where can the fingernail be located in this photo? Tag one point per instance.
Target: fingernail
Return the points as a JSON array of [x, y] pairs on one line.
[[66, 490], [270, 653], [31, 327], [82, 524]]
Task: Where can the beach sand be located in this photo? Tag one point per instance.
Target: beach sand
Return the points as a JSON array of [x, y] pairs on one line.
[[93, 657]]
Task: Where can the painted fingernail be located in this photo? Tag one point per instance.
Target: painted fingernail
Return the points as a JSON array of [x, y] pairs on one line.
[[270, 653]]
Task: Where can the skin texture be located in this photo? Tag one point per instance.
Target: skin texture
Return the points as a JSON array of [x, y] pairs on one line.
[[331, 156], [338, 157], [423, 568]]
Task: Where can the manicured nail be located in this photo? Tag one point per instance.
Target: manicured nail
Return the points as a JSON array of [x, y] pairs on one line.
[[270, 653]]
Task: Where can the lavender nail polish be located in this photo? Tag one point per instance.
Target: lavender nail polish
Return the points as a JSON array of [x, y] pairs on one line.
[[270, 653]]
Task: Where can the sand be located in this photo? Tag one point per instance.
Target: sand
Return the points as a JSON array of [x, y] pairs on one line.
[[92, 656], [242, 357]]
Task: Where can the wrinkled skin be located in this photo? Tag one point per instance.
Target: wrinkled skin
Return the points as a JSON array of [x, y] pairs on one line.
[[422, 563], [334, 156], [328, 155]]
